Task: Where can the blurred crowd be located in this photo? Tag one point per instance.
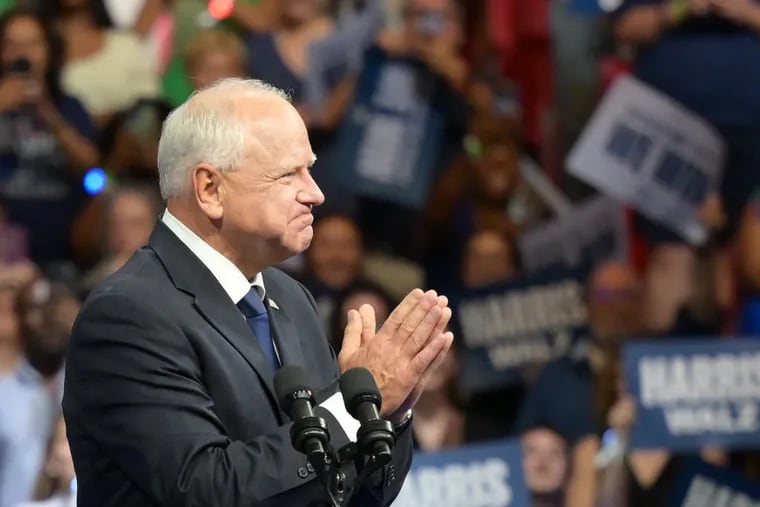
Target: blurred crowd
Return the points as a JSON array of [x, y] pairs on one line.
[[86, 84]]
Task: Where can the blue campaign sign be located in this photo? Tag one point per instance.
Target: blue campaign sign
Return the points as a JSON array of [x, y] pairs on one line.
[[595, 7], [483, 475], [529, 321], [586, 6], [695, 393], [390, 142], [703, 485]]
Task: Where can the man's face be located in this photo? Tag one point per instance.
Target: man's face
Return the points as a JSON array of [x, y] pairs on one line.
[[335, 255], [267, 202], [544, 460]]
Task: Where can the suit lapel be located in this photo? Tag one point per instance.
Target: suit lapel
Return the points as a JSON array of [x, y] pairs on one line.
[[190, 275], [286, 338], [225, 317], [284, 332]]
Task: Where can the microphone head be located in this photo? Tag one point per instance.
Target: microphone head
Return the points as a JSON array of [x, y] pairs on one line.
[[291, 384], [358, 385]]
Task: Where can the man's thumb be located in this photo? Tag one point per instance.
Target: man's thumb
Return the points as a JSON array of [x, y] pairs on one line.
[[352, 336]]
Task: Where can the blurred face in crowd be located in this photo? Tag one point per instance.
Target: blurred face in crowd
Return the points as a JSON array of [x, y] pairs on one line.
[[488, 259], [495, 157], [297, 12], [24, 39], [60, 465], [264, 207], [74, 4], [213, 65], [615, 301], [47, 316], [336, 253], [357, 299], [544, 460], [130, 222], [9, 325], [432, 20], [669, 283]]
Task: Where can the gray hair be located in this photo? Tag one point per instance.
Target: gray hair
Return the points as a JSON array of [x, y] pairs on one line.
[[207, 129]]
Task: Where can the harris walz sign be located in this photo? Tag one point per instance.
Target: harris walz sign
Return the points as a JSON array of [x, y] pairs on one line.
[[530, 321]]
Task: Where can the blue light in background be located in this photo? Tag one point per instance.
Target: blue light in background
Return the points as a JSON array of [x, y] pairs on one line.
[[94, 181]]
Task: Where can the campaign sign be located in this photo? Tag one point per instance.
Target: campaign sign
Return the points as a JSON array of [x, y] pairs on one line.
[[704, 485], [390, 141], [529, 321], [594, 6], [592, 232], [482, 475], [695, 393], [647, 150]]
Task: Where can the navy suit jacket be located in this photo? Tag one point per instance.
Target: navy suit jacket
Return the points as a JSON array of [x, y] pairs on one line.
[[169, 400]]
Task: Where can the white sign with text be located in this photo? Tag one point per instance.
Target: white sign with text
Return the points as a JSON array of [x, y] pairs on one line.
[[645, 149]]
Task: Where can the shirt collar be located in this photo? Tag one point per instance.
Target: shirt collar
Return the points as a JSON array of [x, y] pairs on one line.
[[232, 280], [26, 374]]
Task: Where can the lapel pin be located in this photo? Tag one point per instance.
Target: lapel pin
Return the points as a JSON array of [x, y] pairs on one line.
[[273, 304]]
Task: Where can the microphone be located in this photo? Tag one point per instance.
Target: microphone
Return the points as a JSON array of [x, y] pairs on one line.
[[375, 437], [309, 433]]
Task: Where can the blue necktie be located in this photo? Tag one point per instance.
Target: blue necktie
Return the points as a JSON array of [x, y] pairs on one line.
[[256, 316]]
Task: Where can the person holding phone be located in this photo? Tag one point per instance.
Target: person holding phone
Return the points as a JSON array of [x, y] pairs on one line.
[[46, 137]]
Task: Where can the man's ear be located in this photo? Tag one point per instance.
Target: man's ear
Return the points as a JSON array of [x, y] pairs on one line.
[[209, 193]]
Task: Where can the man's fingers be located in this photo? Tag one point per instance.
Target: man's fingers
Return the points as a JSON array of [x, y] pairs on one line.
[[440, 358], [422, 332], [422, 361], [352, 336], [369, 326], [416, 317], [403, 309], [443, 321]]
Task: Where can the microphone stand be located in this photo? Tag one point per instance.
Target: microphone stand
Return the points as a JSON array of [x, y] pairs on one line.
[[326, 465], [366, 453]]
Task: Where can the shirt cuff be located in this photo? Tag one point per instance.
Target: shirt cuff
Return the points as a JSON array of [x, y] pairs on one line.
[[334, 404]]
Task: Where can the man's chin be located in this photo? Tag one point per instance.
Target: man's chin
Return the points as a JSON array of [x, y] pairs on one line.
[[299, 244]]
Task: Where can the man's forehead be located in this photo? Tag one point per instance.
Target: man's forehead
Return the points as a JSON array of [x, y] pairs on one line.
[[280, 143]]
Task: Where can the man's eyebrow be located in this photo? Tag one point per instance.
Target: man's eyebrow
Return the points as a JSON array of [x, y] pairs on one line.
[[295, 167]]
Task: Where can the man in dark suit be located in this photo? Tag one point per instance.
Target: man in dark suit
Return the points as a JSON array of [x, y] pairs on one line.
[[169, 396]]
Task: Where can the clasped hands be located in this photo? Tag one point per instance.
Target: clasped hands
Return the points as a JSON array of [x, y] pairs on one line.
[[403, 354]]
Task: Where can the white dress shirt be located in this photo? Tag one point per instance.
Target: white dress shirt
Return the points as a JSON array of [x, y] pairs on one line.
[[236, 285], [58, 500]]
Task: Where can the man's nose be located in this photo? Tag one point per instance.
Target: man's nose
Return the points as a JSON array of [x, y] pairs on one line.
[[311, 194]]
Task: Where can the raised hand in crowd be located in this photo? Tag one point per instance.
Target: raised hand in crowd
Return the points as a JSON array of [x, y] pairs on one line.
[[743, 12], [18, 275], [435, 36], [622, 414], [13, 93]]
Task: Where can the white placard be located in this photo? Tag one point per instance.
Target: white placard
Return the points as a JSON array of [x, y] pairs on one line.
[[645, 149], [589, 233]]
